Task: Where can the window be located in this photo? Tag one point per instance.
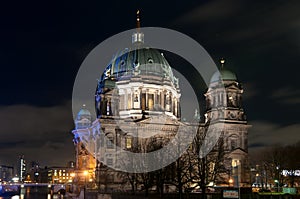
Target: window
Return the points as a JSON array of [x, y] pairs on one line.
[[122, 100], [110, 178], [144, 101], [109, 143], [150, 101], [107, 108], [128, 143], [109, 161], [233, 144], [129, 101], [235, 163]]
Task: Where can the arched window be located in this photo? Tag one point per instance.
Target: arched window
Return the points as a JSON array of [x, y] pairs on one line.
[[150, 101], [109, 142], [128, 142], [233, 144]]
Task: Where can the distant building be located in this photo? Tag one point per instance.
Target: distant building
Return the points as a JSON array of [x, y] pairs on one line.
[[22, 167], [60, 175], [6, 173], [35, 171]]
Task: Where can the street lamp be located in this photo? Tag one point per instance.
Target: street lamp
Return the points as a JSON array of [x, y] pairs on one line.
[[230, 182], [85, 173], [278, 178]]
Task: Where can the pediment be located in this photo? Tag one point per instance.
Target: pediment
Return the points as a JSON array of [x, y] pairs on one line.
[[238, 151], [233, 86]]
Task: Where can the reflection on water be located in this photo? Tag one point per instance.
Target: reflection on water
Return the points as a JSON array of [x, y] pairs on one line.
[[35, 193]]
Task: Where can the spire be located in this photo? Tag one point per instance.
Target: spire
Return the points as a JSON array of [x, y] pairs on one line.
[[222, 61], [138, 22], [138, 36]]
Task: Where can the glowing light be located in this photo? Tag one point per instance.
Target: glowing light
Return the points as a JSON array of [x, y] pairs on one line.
[[222, 61], [85, 173]]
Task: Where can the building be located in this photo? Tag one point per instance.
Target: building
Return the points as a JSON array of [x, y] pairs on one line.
[[22, 168], [138, 101], [60, 175], [6, 173], [226, 107]]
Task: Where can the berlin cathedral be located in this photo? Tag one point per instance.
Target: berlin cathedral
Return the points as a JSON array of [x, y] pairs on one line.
[[138, 93]]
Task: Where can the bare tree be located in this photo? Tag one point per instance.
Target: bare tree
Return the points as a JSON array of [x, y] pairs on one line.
[[206, 169]]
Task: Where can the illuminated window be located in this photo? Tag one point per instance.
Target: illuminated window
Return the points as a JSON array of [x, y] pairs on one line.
[[150, 101], [129, 101], [211, 167], [128, 143], [235, 162]]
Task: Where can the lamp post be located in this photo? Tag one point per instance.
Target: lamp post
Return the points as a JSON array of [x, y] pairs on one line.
[[278, 178], [72, 180]]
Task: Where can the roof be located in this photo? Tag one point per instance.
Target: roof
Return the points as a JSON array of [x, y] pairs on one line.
[[223, 74]]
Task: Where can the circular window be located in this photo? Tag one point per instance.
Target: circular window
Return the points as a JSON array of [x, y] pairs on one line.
[[122, 63]]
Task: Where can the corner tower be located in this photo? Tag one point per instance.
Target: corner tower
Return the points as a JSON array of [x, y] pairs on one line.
[[85, 161], [226, 107]]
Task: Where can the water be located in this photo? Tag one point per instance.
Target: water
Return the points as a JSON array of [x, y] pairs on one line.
[[35, 193]]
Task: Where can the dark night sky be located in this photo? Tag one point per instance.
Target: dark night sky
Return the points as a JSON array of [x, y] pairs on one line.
[[43, 44]]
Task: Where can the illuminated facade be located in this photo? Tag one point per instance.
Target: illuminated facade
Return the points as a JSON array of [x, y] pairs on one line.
[[22, 167], [226, 107], [137, 86], [85, 161], [60, 175]]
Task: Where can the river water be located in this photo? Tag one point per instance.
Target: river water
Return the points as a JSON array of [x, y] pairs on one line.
[[35, 193]]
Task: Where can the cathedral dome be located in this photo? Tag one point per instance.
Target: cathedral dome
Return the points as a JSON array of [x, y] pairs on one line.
[[138, 62], [145, 77], [137, 83]]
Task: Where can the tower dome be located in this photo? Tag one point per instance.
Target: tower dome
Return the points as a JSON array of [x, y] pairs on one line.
[[223, 74], [83, 118]]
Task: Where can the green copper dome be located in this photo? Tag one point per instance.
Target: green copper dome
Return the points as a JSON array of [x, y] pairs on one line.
[[83, 113], [223, 74], [141, 61], [147, 61]]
